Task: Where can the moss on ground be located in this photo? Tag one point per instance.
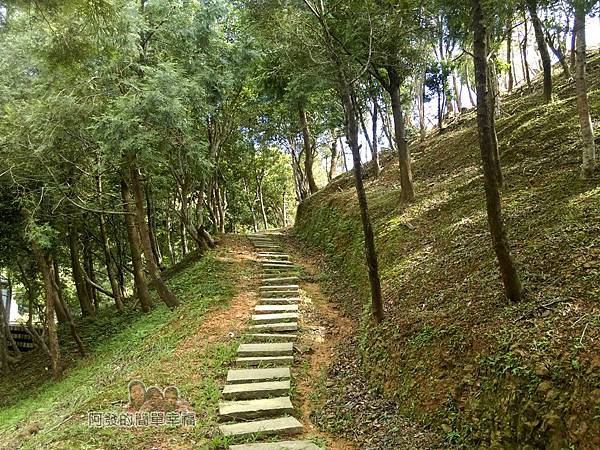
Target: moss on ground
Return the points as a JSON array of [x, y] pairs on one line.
[[453, 350]]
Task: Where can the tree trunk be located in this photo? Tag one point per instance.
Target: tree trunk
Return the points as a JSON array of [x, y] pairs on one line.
[[524, 61], [457, 96], [572, 58], [308, 149], [53, 346], [150, 213], [55, 276], [4, 332], [261, 201], [406, 182], [510, 278], [375, 145], [135, 247], [371, 253], [421, 106], [136, 184], [469, 90], [85, 302], [110, 264], [588, 165], [511, 80], [334, 160], [542, 49], [89, 269]]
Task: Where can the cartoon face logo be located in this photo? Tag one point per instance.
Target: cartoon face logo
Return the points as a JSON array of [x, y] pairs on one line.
[[154, 399]]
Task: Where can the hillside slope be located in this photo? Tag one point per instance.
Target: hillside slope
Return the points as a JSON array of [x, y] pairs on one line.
[[452, 350], [188, 347]]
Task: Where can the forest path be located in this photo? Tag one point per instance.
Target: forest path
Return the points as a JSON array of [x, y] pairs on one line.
[[281, 352]]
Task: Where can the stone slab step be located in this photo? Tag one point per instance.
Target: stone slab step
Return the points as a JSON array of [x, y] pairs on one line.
[[279, 294], [280, 267], [257, 375], [273, 255], [269, 309], [287, 445], [277, 262], [258, 361], [266, 349], [253, 409], [272, 337], [249, 391], [280, 280], [278, 300], [275, 327], [275, 318], [280, 287], [280, 426]]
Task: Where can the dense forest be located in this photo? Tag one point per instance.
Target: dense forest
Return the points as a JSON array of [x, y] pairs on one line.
[[135, 137]]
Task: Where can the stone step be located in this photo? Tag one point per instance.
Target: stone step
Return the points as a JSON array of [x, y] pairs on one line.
[[272, 265], [281, 445], [259, 361], [249, 391], [267, 309], [278, 300], [280, 287], [275, 318], [266, 349], [275, 327], [257, 375], [254, 409], [276, 261], [272, 337], [280, 280], [281, 426], [269, 255], [280, 294]]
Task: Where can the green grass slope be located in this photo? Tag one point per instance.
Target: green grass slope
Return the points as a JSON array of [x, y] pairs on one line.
[[158, 348], [454, 352]]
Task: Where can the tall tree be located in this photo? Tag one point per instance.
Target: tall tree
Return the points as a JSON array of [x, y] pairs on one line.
[[510, 278], [588, 165]]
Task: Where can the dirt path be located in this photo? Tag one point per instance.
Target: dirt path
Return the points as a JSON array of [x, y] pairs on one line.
[[324, 327]]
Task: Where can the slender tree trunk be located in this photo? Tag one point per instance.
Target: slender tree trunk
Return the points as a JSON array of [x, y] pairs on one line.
[[542, 49], [53, 346], [136, 185], [308, 149], [135, 247], [85, 302], [371, 253], [334, 160], [421, 105], [457, 93], [55, 276], [557, 49], [89, 269], [150, 213], [572, 58], [110, 264], [406, 182], [588, 165], [511, 80], [375, 145], [526, 71], [469, 90], [261, 201], [510, 278]]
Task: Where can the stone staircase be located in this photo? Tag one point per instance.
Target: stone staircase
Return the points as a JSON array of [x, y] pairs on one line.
[[256, 400]]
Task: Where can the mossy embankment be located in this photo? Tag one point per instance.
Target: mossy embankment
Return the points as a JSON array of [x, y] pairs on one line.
[[452, 350]]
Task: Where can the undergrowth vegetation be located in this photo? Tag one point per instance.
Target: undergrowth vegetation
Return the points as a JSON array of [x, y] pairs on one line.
[[454, 352], [157, 348]]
